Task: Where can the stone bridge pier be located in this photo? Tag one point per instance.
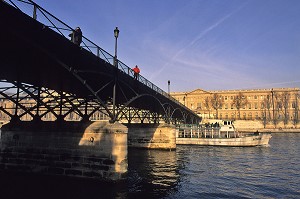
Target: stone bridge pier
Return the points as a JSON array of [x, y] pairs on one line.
[[95, 150]]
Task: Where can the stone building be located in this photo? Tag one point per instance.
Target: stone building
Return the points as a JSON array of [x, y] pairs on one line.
[[259, 104]]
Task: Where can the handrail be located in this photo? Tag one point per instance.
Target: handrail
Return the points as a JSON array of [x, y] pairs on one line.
[[87, 44]]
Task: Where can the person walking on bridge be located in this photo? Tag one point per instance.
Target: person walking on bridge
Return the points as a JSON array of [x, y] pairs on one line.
[[136, 71], [76, 36]]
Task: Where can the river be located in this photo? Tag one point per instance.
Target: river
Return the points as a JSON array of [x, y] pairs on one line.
[[188, 172]]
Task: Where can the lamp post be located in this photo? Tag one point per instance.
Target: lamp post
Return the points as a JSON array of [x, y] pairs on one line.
[[116, 33], [169, 87]]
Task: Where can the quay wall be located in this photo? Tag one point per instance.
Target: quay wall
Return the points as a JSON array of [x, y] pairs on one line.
[[95, 150], [255, 125]]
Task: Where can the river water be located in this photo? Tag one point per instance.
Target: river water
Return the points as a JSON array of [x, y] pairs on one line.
[[188, 172]]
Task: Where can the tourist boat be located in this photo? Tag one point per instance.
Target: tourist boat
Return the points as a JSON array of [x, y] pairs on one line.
[[220, 133]]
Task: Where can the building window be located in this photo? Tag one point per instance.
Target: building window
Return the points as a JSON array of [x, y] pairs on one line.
[[226, 106], [293, 104], [249, 106], [262, 97], [255, 105], [250, 116], [198, 105], [255, 96], [225, 97], [232, 116]]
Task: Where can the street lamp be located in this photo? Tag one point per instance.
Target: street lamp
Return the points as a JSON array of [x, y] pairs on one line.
[[116, 33], [169, 87]]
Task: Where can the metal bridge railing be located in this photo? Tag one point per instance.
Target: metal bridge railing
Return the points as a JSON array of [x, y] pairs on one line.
[[38, 13]]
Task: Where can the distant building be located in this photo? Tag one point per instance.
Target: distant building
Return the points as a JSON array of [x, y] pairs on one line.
[[269, 105]]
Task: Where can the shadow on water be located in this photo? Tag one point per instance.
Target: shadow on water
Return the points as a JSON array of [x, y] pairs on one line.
[[151, 174], [16, 185]]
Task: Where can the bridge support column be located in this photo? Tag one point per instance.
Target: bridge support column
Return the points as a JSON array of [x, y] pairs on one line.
[[92, 150], [152, 136]]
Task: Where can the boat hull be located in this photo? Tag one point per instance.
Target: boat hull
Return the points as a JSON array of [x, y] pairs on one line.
[[255, 140]]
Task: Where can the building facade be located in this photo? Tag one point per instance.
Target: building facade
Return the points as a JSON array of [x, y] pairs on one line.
[[270, 105]]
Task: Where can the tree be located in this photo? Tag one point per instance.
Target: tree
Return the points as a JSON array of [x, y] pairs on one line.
[[275, 108], [207, 105], [239, 102], [283, 106], [266, 110], [217, 102], [295, 107]]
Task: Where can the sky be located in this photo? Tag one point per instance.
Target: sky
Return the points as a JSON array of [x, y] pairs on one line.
[[196, 44]]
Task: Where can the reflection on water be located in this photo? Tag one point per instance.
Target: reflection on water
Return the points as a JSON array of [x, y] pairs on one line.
[[188, 172], [152, 172]]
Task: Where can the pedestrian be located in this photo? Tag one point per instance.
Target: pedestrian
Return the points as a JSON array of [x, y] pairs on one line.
[[136, 71], [76, 36]]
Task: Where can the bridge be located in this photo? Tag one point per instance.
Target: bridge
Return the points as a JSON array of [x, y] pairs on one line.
[[40, 54], [48, 78]]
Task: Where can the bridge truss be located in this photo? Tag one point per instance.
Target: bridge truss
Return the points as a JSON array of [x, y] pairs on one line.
[[24, 102]]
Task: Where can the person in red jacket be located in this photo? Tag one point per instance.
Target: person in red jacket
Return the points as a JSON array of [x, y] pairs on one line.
[[136, 71]]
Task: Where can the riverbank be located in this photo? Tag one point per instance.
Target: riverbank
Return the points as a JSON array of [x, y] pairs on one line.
[[256, 125], [250, 126], [268, 130]]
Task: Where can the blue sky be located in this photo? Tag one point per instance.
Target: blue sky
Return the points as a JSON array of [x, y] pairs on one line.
[[206, 44]]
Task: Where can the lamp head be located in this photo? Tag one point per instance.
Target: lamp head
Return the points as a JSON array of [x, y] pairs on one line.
[[116, 32]]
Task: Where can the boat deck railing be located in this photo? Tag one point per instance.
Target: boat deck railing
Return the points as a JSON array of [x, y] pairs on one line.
[[202, 131]]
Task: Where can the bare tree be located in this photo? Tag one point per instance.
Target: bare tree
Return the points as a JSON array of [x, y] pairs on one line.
[[238, 102], [275, 108], [217, 102], [268, 104], [207, 105], [283, 105], [296, 109], [265, 111]]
